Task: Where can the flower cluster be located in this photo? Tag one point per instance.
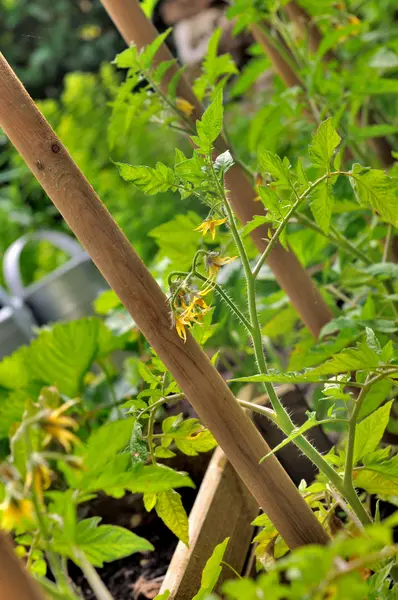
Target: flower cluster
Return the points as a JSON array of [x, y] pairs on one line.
[[190, 309], [24, 490]]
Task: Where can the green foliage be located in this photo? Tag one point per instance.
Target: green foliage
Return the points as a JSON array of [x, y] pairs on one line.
[[170, 509], [212, 571]]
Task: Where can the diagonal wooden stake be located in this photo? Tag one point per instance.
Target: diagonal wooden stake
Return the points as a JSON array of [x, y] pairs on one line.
[[15, 581], [134, 26], [110, 250]]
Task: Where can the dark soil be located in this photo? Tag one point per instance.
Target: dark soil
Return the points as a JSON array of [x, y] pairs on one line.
[[139, 576]]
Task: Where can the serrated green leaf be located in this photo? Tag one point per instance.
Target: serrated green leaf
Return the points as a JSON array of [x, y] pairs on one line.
[[170, 509], [324, 143], [272, 164], [376, 189], [321, 203], [149, 52], [210, 125], [103, 543], [13, 372], [126, 59], [257, 221], [195, 443], [62, 355], [379, 477], [148, 180], [11, 410], [158, 478], [370, 431], [149, 501], [377, 394], [161, 452], [212, 571], [138, 447]]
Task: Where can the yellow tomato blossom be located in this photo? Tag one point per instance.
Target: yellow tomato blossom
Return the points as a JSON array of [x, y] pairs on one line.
[[215, 262], [353, 20], [185, 107], [40, 479], [16, 512], [210, 225], [56, 425]]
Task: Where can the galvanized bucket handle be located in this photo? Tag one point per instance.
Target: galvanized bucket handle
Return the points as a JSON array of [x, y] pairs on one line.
[[22, 315], [11, 271]]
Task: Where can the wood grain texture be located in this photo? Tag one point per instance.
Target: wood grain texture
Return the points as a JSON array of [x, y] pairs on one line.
[[110, 250], [15, 581], [280, 65], [290, 274], [223, 508]]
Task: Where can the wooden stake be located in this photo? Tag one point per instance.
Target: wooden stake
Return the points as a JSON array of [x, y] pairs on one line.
[[134, 26], [110, 250], [15, 581]]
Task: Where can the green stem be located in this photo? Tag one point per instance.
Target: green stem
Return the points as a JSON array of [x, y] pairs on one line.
[[287, 218], [151, 423], [230, 303], [95, 581], [53, 559]]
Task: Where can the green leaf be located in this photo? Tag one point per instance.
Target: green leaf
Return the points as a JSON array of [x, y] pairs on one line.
[[103, 543], [106, 302], [138, 447], [270, 200], [195, 443], [164, 596], [148, 180], [321, 203], [370, 431], [375, 397], [309, 424], [149, 52], [62, 355], [376, 189], [158, 478], [379, 477], [210, 125], [272, 164], [385, 270], [13, 372], [170, 509], [150, 501], [212, 571], [257, 221], [324, 143], [11, 410]]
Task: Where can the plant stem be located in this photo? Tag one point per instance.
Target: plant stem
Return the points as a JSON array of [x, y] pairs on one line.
[[352, 425], [95, 581], [151, 423], [387, 244], [53, 559], [286, 219], [231, 304]]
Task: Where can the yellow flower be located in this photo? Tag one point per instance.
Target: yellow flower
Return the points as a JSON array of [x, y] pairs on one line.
[[181, 323], [215, 262], [40, 479], [185, 107], [210, 225], [55, 425], [16, 512], [353, 20]]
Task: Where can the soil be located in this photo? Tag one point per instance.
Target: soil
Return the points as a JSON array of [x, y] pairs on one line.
[[139, 576]]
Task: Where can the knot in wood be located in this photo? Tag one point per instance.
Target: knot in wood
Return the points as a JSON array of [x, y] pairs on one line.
[[55, 148]]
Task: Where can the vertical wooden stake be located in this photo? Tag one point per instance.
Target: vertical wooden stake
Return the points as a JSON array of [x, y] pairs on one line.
[[15, 581], [134, 26], [110, 250]]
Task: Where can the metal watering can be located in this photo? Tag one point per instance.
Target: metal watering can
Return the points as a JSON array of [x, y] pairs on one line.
[[16, 324], [65, 294]]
